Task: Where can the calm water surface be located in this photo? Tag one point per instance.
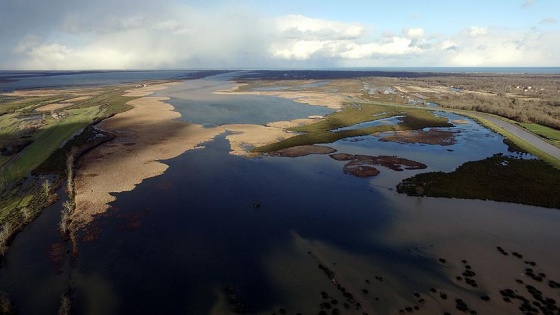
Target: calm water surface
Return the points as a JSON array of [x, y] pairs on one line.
[[17, 80], [197, 103]]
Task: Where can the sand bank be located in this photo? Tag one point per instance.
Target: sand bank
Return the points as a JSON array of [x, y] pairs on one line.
[[145, 134], [333, 101], [243, 137]]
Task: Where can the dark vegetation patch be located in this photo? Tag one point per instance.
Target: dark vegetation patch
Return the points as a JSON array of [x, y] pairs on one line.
[[85, 141], [15, 146], [512, 147], [498, 178]]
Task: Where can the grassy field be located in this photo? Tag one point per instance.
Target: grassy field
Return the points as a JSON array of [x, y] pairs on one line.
[[50, 138], [53, 132], [322, 131], [23, 174], [13, 104], [498, 178], [552, 135], [111, 101]]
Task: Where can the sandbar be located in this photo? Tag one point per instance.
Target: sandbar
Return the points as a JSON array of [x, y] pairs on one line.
[[243, 137], [329, 100]]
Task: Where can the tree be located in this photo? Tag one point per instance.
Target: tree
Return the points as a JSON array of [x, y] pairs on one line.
[[47, 188]]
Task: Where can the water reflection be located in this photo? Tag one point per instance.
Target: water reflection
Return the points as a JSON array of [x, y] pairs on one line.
[[203, 231]]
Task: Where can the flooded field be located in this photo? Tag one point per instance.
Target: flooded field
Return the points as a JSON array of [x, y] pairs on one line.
[[220, 234]]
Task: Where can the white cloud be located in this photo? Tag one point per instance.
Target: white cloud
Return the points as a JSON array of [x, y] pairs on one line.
[[475, 31], [291, 26], [304, 38], [413, 32], [176, 35], [504, 47], [397, 46], [299, 49]]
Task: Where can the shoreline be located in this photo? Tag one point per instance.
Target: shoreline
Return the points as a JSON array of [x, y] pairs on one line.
[[145, 135], [149, 133]]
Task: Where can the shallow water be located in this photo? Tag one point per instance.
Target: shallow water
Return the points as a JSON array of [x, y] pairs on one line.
[[260, 227], [198, 104]]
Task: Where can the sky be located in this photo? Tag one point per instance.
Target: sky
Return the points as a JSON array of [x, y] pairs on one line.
[[270, 34]]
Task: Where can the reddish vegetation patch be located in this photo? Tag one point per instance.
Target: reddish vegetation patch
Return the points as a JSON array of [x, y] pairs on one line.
[[303, 150], [164, 185], [360, 170], [56, 256], [431, 136], [362, 165], [132, 221], [92, 233], [342, 156]]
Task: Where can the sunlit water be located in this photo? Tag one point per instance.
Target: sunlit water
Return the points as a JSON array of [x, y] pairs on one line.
[[260, 227]]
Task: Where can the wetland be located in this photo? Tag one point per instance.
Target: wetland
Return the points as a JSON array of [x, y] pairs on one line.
[[276, 204]]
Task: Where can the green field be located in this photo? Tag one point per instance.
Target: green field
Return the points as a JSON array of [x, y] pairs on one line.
[[54, 132], [552, 135], [50, 138]]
